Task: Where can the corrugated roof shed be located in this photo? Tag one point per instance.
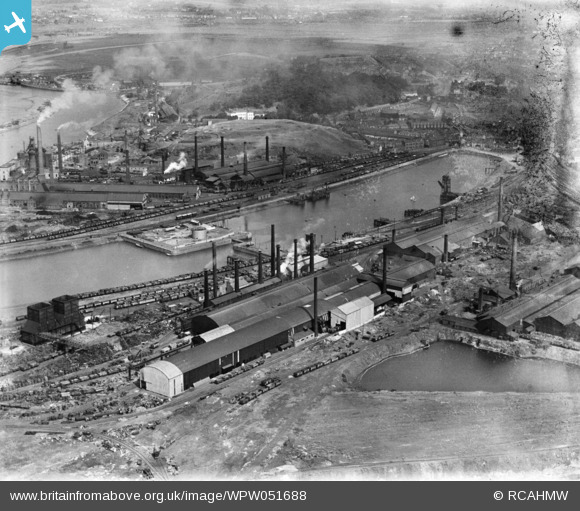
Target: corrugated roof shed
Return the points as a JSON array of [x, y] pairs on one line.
[[208, 352], [169, 369], [565, 311], [286, 295], [122, 188], [411, 270], [514, 312], [216, 333]]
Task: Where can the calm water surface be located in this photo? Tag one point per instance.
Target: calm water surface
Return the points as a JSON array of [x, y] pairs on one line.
[[450, 366]]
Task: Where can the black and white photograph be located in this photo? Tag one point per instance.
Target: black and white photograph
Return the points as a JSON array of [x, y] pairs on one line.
[[290, 240]]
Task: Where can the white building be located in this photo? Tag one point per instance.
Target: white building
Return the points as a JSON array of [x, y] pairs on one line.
[[162, 378], [242, 115], [353, 314]]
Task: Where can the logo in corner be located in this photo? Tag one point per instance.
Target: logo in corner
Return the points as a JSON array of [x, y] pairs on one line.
[[15, 22]]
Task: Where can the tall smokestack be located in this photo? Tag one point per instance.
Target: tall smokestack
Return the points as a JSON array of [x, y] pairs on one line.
[[237, 275], [500, 200], [315, 308], [222, 152], [445, 248], [260, 271], [312, 241], [295, 258], [40, 157], [195, 154], [267, 148], [384, 269], [205, 289], [394, 235], [245, 160], [214, 268], [284, 162], [127, 171], [514, 262], [278, 261], [273, 251], [59, 146]]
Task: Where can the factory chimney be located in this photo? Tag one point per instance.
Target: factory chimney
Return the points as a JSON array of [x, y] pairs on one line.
[[267, 148], [260, 274], [384, 269], [195, 154], [222, 152], [214, 268], [514, 262], [237, 275], [59, 146], [40, 156], [315, 308], [127, 171], [445, 248], [500, 200], [295, 258], [278, 261], [245, 160], [312, 242], [394, 235], [284, 162], [205, 289], [273, 252]]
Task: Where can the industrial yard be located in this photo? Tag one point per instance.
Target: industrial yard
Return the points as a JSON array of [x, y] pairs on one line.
[[212, 259]]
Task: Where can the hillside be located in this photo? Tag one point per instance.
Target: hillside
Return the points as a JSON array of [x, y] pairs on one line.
[[299, 138]]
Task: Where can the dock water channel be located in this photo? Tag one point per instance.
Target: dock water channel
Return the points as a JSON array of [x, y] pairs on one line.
[[349, 208]]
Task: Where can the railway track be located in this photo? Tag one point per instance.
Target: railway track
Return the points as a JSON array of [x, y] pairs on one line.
[[157, 467]]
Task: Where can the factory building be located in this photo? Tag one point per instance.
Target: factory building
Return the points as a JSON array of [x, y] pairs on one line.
[[60, 317], [82, 200], [519, 316], [163, 378], [562, 318], [353, 314], [153, 191], [405, 275], [242, 332]]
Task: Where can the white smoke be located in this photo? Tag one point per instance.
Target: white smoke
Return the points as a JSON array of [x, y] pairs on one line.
[[71, 124], [102, 79], [173, 166], [71, 97], [288, 263]]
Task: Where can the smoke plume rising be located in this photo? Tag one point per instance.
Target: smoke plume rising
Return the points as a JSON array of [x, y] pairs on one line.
[[174, 166], [72, 97]]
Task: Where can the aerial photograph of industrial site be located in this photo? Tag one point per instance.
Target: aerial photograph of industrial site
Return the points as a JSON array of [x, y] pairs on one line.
[[291, 240]]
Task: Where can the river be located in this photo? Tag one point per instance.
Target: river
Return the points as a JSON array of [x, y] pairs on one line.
[[34, 279], [452, 367]]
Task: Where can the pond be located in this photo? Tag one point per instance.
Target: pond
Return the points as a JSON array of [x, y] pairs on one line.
[[450, 366]]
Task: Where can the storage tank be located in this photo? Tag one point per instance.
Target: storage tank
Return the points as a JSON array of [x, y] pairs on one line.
[[199, 233]]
